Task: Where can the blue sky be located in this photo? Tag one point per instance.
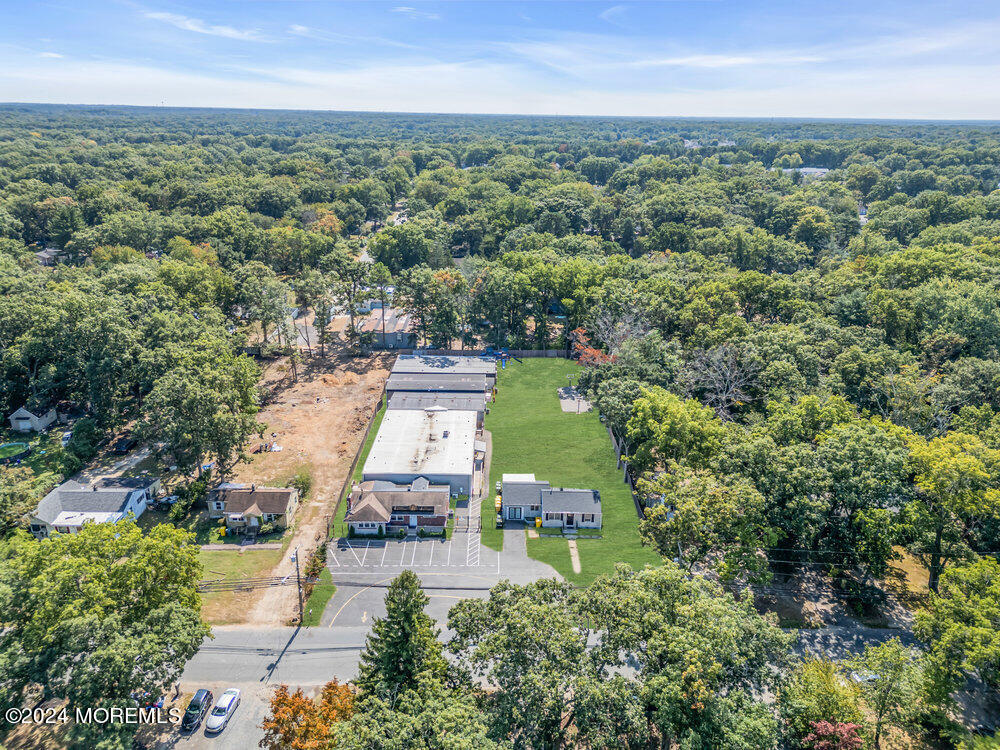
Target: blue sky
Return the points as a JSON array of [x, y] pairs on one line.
[[686, 57]]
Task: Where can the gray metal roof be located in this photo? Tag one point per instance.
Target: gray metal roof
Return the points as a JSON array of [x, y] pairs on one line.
[[448, 399], [442, 364], [78, 498], [433, 383], [567, 500]]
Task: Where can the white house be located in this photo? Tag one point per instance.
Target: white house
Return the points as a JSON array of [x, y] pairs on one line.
[[525, 498], [26, 421], [72, 504]]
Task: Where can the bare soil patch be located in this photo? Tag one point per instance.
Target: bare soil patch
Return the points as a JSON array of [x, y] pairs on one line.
[[318, 421]]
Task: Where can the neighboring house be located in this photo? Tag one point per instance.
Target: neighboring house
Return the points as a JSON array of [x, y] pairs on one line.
[[248, 507], [38, 420], [72, 504], [525, 498], [400, 330], [435, 443], [375, 507], [48, 256]]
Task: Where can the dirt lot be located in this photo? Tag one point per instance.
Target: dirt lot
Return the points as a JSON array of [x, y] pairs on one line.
[[318, 422]]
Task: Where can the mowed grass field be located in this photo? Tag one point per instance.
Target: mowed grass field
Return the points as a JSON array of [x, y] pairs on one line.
[[531, 434]]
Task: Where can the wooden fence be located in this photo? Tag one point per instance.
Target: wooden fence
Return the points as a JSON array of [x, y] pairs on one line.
[[520, 353], [626, 473]]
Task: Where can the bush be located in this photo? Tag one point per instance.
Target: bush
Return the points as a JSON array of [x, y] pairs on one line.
[[266, 528], [196, 491], [302, 481], [85, 441]]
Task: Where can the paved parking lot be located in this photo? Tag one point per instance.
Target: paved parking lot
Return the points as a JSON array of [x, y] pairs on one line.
[[463, 550]]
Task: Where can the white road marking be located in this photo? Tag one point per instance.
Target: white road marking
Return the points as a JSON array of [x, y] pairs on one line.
[[413, 557], [384, 550], [431, 560], [367, 545], [351, 548], [450, 542]]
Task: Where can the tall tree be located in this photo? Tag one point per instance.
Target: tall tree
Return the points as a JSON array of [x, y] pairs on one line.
[[98, 617], [957, 479], [402, 646]]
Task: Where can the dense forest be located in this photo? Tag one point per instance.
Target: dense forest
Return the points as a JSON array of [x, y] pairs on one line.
[[791, 326]]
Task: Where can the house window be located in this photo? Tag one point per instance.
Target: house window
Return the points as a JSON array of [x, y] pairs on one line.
[[587, 518], [219, 505], [553, 516], [536, 507]]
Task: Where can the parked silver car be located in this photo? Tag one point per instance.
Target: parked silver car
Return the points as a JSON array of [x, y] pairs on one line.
[[222, 711]]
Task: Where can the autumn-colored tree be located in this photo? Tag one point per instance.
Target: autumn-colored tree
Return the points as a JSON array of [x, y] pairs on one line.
[[300, 723], [326, 223], [585, 352], [833, 735]]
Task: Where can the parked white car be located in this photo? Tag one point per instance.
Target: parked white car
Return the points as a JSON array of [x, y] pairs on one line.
[[222, 711]]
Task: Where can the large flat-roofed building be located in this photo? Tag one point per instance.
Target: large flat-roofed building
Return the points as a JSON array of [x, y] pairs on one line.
[[438, 364], [436, 443], [418, 401], [434, 383]]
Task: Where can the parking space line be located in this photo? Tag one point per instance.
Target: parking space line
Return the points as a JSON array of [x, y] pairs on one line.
[[431, 560], [367, 545], [351, 548], [450, 542], [335, 559], [413, 557], [384, 550]]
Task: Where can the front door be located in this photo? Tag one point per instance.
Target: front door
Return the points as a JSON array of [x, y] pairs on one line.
[[514, 513], [570, 520], [413, 522]]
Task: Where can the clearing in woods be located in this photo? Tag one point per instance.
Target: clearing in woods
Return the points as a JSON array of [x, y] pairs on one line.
[[318, 422]]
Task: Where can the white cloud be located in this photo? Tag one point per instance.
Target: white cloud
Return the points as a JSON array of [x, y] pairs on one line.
[[406, 10], [726, 61], [612, 14], [50, 54], [201, 27], [959, 91]]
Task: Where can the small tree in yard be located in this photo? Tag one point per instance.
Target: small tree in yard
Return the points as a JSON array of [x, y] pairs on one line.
[[891, 676]]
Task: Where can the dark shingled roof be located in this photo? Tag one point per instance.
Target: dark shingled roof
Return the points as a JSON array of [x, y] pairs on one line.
[[111, 497], [255, 500], [568, 500]]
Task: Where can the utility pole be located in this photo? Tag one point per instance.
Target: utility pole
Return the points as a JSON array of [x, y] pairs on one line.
[[298, 579]]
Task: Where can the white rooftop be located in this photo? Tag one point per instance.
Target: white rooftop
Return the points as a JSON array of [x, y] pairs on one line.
[[434, 441], [519, 477]]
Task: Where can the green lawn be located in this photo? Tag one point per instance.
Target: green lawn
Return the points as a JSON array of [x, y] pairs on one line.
[[531, 434], [321, 594], [225, 607]]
